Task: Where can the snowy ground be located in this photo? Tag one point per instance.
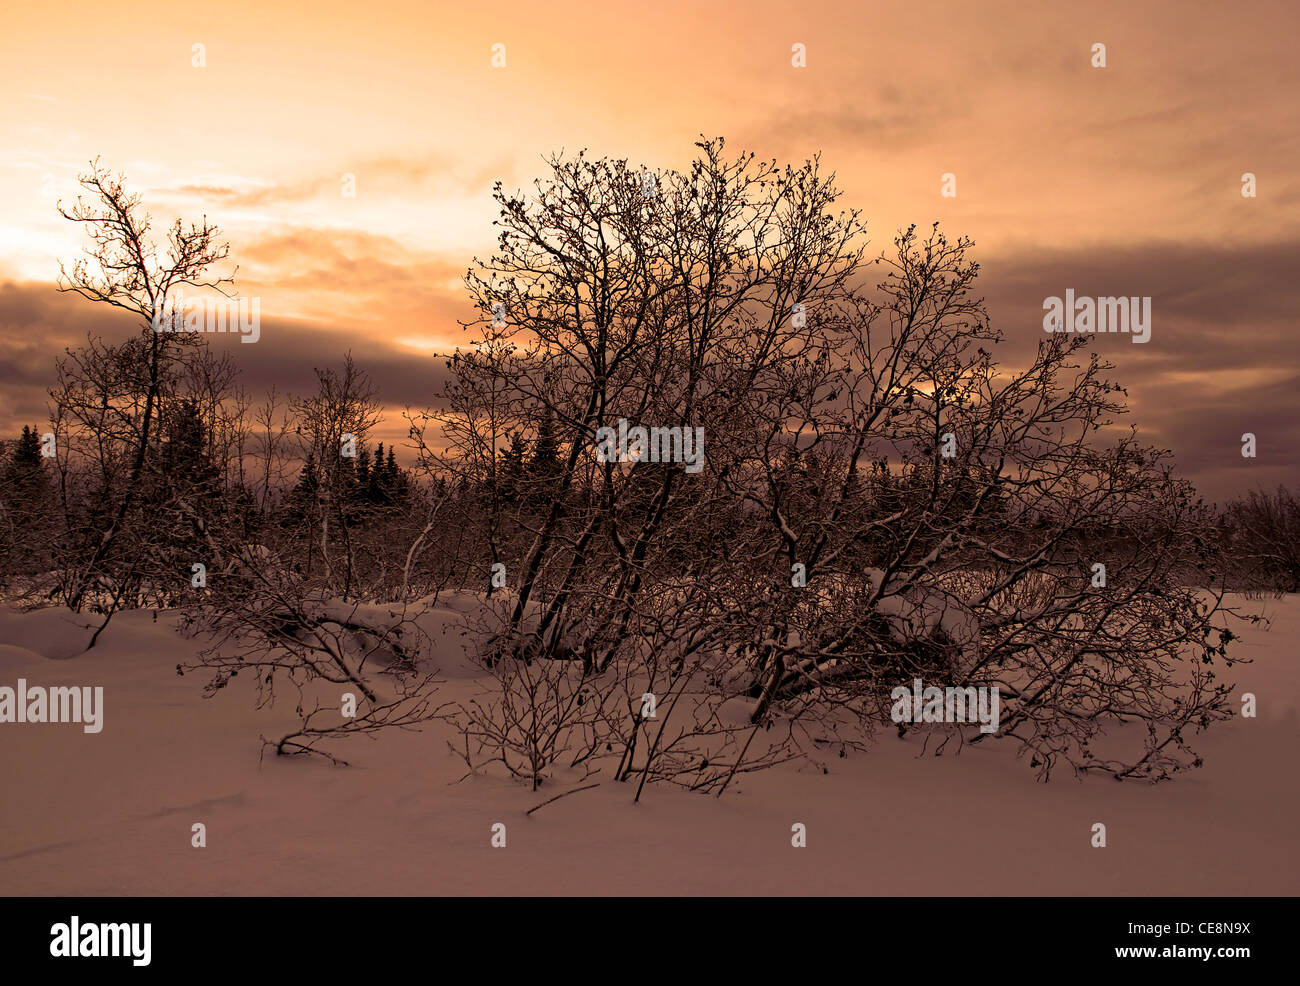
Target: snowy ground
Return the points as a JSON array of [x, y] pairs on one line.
[[111, 813]]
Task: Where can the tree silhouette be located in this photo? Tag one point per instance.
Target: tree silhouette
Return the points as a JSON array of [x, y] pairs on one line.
[[112, 395]]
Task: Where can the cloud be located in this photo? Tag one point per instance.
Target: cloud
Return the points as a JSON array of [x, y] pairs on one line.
[[37, 322], [1221, 360], [334, 276], [391, 176], [884, 120], [1220, 363]]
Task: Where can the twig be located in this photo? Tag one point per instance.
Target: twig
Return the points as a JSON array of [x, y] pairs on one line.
[[559, 796]]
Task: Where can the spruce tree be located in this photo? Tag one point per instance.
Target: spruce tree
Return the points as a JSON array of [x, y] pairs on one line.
[[395, 478], [510, 470], [305, 495], [545, 467], [26, 505]]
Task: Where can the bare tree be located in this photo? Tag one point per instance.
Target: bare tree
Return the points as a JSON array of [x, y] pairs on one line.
[[333, 425], [880, 501], [108, 397], [998, 541], [1261, 536]]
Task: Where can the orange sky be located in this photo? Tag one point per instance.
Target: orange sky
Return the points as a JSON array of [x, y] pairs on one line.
[[1117, 180]]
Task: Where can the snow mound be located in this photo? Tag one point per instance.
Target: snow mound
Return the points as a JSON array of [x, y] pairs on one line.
[[18, 658], [923, 612], [56, 633]]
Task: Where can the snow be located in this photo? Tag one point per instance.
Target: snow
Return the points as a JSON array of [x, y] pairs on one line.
[[111, 813], [917, 611]]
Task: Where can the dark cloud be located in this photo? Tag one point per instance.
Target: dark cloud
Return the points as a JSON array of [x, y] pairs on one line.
[[37, 323], [1221, 361], [1222, 357]]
